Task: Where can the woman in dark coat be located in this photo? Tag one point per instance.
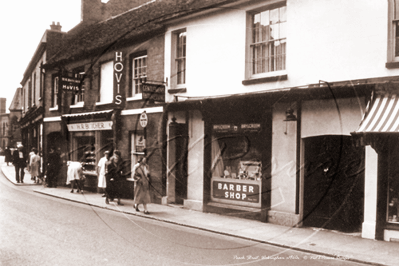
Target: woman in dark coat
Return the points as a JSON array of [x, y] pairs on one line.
[[113, 176], [142, 187], [7, 155]]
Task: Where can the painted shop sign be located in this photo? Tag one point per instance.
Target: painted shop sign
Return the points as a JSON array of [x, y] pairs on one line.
[[236, 191], [105, 125], [71, 83], [154, 92], [119, 81], [231, 128]]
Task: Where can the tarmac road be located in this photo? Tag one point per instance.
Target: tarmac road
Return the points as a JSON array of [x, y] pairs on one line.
[[39, 230]]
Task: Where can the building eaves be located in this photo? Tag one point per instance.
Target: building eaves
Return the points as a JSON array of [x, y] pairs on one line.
[[146, 21]]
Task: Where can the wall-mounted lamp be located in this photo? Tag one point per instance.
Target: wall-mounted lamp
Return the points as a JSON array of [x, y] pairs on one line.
[[289, 117]]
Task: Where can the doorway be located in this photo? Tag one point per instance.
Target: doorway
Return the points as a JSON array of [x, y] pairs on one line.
[[333, 183]]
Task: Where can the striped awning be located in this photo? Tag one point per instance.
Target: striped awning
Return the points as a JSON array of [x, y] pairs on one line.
[[382, 116]]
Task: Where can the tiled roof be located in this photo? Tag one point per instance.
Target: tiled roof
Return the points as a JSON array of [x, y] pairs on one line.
[[16, 103], [95, 39]]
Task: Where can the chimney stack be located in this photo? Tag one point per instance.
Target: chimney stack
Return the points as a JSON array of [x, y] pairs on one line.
[[55, 27]]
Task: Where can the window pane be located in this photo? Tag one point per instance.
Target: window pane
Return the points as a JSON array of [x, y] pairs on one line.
[[274, 31], [283, 30], [274, 17], [283, 14]]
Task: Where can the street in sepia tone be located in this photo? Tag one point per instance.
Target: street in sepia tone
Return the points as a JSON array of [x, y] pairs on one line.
[[209, 132]]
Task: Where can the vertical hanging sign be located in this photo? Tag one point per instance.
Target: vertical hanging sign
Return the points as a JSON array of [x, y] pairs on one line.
[[119, 82]]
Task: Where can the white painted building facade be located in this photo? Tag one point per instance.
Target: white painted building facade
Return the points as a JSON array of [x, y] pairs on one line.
[[335, 54]]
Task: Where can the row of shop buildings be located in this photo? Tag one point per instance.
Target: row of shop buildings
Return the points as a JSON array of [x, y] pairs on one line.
[[280, 111]]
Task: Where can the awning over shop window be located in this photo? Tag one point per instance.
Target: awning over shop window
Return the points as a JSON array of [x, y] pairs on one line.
[[382, 116]]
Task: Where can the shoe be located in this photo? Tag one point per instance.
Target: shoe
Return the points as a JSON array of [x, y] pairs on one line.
[[72, 191], [136, 207], [77, 191], [103, 195], [120, 204], [146, 212]]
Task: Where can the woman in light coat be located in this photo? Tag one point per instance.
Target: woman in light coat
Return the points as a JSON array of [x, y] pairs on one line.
[[142, 186]]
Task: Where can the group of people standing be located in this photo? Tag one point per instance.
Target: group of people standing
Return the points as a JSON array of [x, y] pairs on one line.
[[32, 161], [20, 159], [110, 177]]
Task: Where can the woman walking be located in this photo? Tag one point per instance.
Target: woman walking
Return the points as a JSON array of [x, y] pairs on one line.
[[142, 186], [35, 166]]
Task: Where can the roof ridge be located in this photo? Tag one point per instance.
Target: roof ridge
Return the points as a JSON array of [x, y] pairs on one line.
[[134, 8]]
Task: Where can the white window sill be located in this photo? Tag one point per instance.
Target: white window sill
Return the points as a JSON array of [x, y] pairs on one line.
[[53, 108], [78, 105], [269, 74], [136, 97], [102, 103]]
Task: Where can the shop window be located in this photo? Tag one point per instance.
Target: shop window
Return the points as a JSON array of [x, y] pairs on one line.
[[268, 41], [54, 92], [236, 151], [106, 82], [137, 148], [139, 75], [178, 75]]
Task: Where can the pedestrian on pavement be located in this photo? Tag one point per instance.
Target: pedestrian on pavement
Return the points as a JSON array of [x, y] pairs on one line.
[[142, 185], [35, 166], [19, 160], [101, 172], [32, 153], [75, 176], [113, 176], [53, 166], [7, 155]]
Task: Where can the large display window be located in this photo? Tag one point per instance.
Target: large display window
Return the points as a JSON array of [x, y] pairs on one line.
[[237, 164]]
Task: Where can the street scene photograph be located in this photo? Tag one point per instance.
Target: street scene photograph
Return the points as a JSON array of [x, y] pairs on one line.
[[199, 132]]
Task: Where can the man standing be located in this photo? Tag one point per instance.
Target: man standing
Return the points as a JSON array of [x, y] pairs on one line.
[[53, 165], [19, 160]]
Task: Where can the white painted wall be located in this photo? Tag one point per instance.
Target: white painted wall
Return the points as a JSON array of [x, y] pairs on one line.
[[331, 40], [331, 117], [283, 196], [195, 178]]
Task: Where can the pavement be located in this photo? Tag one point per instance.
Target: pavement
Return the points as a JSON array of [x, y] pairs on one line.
[[323, 244]]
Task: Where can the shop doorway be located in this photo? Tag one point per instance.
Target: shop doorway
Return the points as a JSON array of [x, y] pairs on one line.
[[333, 183], [178, 159]]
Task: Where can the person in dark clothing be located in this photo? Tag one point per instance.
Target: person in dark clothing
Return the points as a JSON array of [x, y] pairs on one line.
[[19, 160], [113, 176], [7, 155], [53, 167]]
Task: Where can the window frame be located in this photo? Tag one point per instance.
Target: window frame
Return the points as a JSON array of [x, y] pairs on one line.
[[393, 18], [134, 154], [175, 84], [249, 43], [132, 95], [100, 87], [55, 91], [79, 97]]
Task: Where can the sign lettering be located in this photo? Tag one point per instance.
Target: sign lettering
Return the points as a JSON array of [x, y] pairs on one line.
[[105, 125], [119, 81], [236, 191]]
